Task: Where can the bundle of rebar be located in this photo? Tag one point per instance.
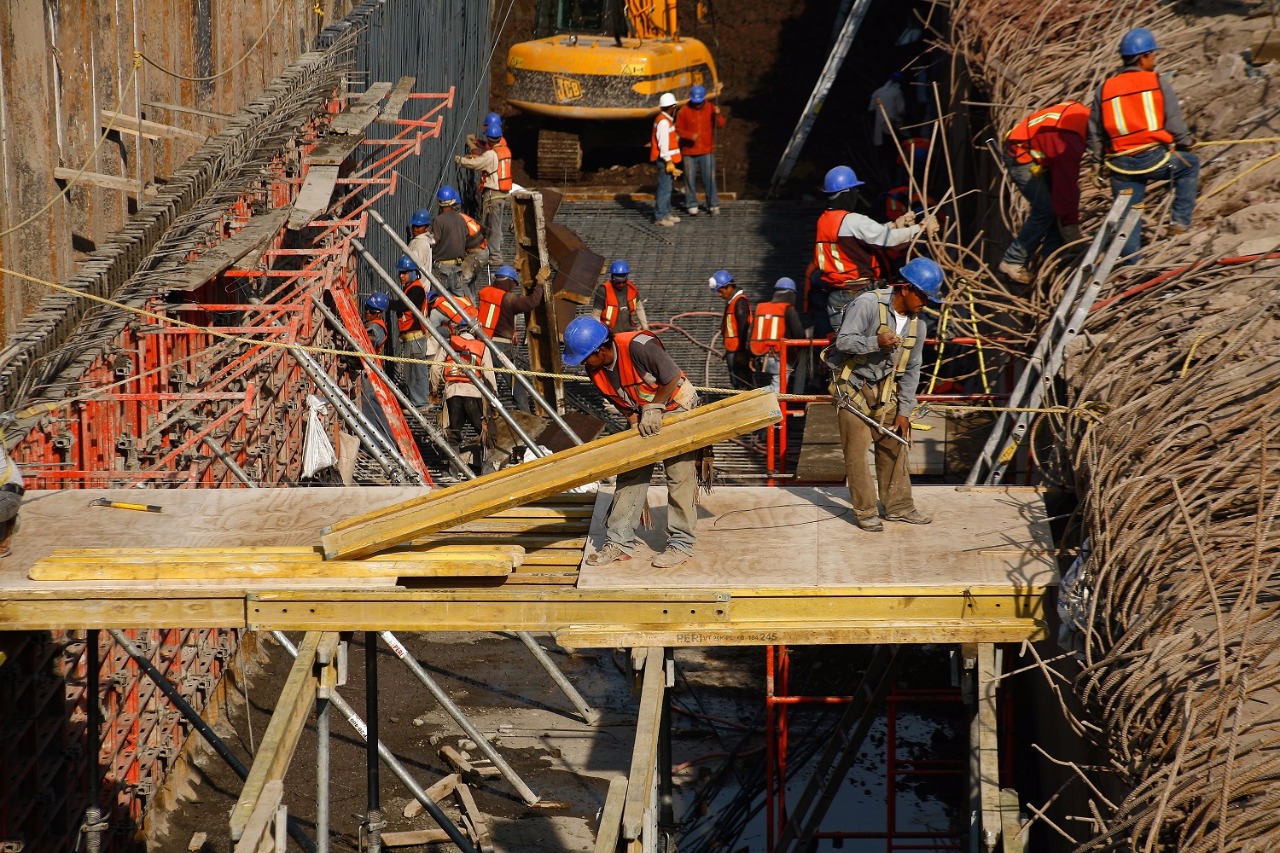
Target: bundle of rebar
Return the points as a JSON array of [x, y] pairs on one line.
[[1175, 464]]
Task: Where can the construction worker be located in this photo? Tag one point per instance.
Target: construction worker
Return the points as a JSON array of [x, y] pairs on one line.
[[452, 234], [696, 126], [1042, 157], [735, 328], [413, 338], [500, 304], [846, 243], [875, 364], [619, 295], [1138, 132], [774, 321], [664, 153], [492, 159], [463, 402], [420, 238], [888, 107], [375, 326], [637, 375], [11, 492]]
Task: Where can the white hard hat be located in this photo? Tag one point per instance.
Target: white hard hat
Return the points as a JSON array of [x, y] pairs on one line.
[[666, 99]]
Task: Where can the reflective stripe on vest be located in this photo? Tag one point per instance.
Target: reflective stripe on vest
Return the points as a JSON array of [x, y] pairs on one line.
[[841, 259], [673, 141], [635, 391], [407, 322], [1068, 115], [473, 228], [504, 165], [609, 316], [729, 323], [468, 308], [490, 307], [842, 380], [769, 327], [1132, 111], [472, 353]]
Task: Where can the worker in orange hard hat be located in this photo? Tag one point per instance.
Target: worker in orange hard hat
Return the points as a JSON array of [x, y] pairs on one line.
[[1042, 157]]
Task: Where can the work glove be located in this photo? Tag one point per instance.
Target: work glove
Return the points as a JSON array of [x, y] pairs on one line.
[[906, 220], [673, 170], [929, 225], [1070, 233], [457, 159], [651, 419]]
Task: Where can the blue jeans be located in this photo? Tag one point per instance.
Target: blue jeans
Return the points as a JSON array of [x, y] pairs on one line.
[[1180, 167], [662, 201], [693, 164], [1041, 226]]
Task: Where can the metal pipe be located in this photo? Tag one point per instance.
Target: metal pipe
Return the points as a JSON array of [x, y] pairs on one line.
[[591, 715], [419, 793], [460, 718], [373, 821], [94, 825], [189, 713], [406, 404], [483, 387], [483, 335], [225, 459], [322, 774]]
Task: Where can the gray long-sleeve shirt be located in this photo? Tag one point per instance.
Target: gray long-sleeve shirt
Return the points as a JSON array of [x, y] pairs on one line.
[[1173, 119], [857, 336]]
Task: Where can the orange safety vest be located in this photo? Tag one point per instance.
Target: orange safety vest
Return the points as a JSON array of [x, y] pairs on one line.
[[843, 260], [1132, 111], [490, 307], [472, 353], [1068, 115], [769, 328], [729, 324], [468, 308], [382, 324], [504, 165], [473, 228], [635, 392], [673, 140], [408, 322], [609, 316]]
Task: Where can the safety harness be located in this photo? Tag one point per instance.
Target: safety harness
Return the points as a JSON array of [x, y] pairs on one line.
[[842, 387]]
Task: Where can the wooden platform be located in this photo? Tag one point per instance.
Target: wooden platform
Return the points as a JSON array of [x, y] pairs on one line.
[[773, 566]]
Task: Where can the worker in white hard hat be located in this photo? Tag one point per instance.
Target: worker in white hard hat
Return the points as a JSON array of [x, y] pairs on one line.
[[664, 152]]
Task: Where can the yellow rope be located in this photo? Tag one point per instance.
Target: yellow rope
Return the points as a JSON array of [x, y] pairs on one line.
[[1260, 140], [1254, 167], [233, 67]]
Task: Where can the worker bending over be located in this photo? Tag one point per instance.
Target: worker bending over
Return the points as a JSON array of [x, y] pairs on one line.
[[1138, 131], [1042, 157], [735, 328], [875, 365], [635, 373], [500, 304], [845, 245]]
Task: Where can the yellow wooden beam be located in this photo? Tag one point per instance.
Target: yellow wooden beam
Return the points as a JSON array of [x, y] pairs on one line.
[[376, 531], [611, 816], [256, 831], [644, 752]]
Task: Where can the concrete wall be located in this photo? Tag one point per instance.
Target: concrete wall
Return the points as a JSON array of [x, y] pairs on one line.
[[63, 62]]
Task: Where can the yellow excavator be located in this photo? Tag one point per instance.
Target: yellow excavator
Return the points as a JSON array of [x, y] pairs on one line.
[[593, 62]]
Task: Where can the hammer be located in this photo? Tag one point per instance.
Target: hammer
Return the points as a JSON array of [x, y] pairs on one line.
[[123, 505]]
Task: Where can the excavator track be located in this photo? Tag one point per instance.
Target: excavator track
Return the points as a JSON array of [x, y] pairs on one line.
[[559, 155]]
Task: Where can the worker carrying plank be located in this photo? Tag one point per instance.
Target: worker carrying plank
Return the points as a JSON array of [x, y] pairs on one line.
[[635, 373], [11, 491], [875, 367]]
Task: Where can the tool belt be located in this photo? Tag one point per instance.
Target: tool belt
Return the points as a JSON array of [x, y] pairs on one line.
[[857, 284], [452, 262], [873, 400], [13, 488], [1168, 153], [412, 336]]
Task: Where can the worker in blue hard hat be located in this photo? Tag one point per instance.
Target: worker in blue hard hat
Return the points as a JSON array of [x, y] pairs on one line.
[[375, 328], [696, 126], [775, 321], [1138, 132], [735, 328], [617, 300], [846, 242], [491, 159], [875, 365], [455, 235], [421, 239], [413, 337], [500, 304], [635, 373]]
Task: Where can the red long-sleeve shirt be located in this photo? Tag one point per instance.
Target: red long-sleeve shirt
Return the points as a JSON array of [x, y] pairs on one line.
[[1064, 150], [696, 128]]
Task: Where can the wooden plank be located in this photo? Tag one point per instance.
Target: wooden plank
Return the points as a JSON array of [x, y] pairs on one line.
[[1012, 838], [372, 532], [988, 744], [110, 182], [148, 129], [611, 816], [441, 789], [292, 708], [396, 101], [644, 753], [360, 113], [256, 234], [473, 813], [414, 837], [317, 190], [264, 813]]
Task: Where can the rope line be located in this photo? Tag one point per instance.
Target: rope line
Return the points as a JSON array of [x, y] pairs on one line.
[[270, 21]]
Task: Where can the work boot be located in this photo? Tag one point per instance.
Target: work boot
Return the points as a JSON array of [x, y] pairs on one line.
[[715, 211], [1017, 272], [692, 211], [670, 558], [1178, 228], [668, 222], [913, 517], [610, 553], [871, 525]]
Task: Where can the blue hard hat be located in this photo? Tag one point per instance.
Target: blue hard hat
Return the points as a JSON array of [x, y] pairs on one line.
[[493, 118], [620, 267], [1137, 42], [377, 301], [839, 179], [719, 279], [785, 283], [447, 195], [582, 336], [420, 217], [493, 130], [506, 271], [698, 94], [407, 264], [898, 77], [925, 276]]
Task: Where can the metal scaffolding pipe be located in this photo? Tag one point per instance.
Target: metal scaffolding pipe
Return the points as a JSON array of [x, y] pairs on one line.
[[225, 459], [373, 820], [589, 714]]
